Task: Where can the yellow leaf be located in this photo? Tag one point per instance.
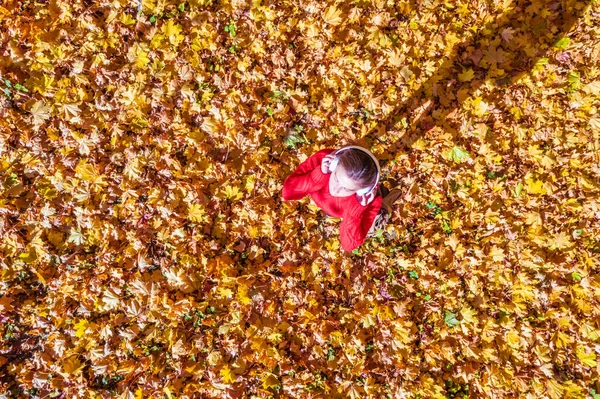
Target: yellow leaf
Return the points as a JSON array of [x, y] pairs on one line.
[[480, 107], [40, 112], [249, 186], [535, 186], [172, 31], [269, 381], [395, 58], [224, 292], [242, 294], [369, 320], [512, 339], [561, 339], [560, 241], [142, 59], [72, 365], [589, 359], [227, 374], [419, 144], [466, 75], [332, 16], [81, 327], [86, 171], [231, 192], [127, 19], [468, 315], [592, 88], [196, 213]]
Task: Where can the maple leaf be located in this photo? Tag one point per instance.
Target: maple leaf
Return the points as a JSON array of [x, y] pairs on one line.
[[588, 359], [468, 315], [72, 365], [592, 88], [40, 112], [173, 31], [450, 319], [76, 237], [227, 374], [494, 55], [197, 213], [270, 381], [87, 172], [71, 112], [507, 34], [231, 192], [111, 299], [81, 327], [534, 186], [466, 75], [562, 240], [457, 154], [332, 16]]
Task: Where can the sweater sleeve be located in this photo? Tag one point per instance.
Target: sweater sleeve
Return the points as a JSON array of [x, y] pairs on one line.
[[356, 224], [307, 178]]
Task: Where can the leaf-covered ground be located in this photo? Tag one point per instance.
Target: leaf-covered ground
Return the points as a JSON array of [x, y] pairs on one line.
[[146, 251]]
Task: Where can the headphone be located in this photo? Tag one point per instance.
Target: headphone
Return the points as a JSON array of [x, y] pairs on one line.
[[364, 195]]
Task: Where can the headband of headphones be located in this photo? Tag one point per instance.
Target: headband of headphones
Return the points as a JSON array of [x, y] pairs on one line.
[[336, 160]]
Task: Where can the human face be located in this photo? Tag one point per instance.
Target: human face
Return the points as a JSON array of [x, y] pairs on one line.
[[340, 185]]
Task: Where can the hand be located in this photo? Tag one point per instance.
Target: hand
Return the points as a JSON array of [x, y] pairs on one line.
[[326, 162], [367, 199]]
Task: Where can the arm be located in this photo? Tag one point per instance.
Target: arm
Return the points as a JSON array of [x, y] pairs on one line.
[[306, 178], [356, 224]]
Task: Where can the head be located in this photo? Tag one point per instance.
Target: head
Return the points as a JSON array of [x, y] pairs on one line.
[[355, 170]]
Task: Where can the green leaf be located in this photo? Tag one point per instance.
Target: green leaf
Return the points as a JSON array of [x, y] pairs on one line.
[[20, 87], [576, 276], [562, 43], [413, 274], [152, 19], [574, 80], [450, 319], [331, 354], [457, 154], [181, 7], [270, 111], [518, 190]]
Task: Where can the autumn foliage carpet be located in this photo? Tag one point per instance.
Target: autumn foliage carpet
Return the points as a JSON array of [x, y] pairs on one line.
[[146, 251]]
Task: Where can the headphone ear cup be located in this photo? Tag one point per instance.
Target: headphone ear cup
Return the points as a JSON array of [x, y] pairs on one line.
[[333, 164]]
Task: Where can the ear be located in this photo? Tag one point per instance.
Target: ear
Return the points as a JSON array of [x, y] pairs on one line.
[[333, 164]]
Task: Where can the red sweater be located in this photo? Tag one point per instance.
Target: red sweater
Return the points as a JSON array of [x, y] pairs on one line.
[[308, 179]]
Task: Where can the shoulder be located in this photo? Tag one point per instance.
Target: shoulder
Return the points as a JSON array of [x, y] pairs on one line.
[[317, 156], [353, 207], [323, 152]]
